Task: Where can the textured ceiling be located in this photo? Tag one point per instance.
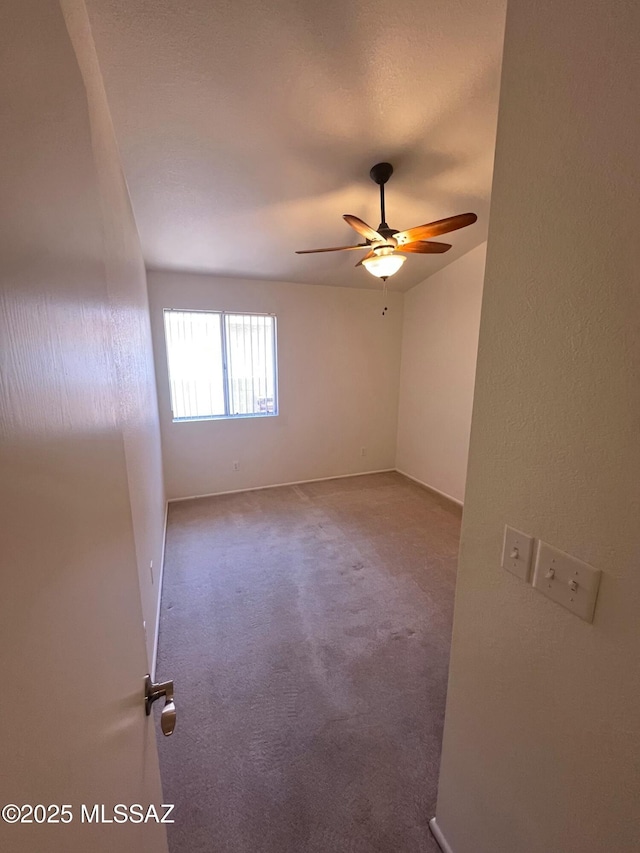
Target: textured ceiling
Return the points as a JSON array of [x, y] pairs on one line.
[[247, 129]]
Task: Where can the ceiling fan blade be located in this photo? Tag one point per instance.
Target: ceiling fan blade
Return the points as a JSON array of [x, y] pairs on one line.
[[434, 229], [332, 249], [424, 248], [362, 228], [366, 257]]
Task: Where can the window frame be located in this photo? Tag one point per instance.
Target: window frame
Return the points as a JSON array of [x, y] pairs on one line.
[[225, 372]]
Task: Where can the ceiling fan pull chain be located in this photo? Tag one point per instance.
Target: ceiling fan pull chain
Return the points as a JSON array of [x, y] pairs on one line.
[[384, 296]]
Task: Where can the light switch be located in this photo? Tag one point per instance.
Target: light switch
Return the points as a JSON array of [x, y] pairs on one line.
[[517, 552], [567, 581]]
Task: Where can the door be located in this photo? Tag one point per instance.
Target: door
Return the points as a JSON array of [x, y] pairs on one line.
[[72, 654]]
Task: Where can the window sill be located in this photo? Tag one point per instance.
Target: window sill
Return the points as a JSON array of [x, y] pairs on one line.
[[255, 416]]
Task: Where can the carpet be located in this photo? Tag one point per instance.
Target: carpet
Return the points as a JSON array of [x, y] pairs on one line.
[[307, 629]]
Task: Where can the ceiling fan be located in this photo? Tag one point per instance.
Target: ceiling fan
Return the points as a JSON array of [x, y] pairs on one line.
[[385, 244]]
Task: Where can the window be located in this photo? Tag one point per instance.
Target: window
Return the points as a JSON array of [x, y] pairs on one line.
[[221, 365]]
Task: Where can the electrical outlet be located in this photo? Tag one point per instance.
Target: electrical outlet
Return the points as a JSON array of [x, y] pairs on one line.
[[517, 552], [363, 451], [236, 466], [567, 581], [151, 571]]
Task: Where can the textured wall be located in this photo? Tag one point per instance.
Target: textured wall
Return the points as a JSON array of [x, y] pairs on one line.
[[339, 361], [72, 655], [132, 348], [439, 346], [542, 731]]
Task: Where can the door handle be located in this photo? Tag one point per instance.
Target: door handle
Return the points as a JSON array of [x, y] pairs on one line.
[[153, 691]]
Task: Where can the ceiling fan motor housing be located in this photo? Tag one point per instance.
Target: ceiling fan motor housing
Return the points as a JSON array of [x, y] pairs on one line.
[[386, 232]]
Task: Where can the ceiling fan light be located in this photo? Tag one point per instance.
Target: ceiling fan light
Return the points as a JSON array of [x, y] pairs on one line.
[[384, 265]]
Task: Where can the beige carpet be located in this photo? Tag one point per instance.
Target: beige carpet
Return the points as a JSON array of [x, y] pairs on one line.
[[307, 629]]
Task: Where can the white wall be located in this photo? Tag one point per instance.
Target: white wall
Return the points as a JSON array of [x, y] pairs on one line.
[[542, 732], [338, 368], [132, 347], [439, 346], [75, 491]]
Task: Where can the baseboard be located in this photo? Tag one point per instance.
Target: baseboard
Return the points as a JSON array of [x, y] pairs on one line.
[[160, 582], [430, 488], [443, 844], [280, 485]]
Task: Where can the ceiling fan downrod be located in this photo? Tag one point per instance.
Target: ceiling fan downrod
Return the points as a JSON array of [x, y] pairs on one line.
[[380, 174]]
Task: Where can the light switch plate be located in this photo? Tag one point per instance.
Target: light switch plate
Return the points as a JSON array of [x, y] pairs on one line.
[[555, 575], [517, 552]]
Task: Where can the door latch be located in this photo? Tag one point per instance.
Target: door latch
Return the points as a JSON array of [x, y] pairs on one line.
[[154, 691]]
